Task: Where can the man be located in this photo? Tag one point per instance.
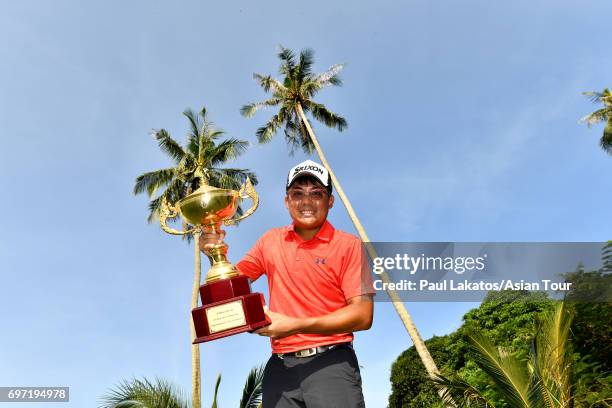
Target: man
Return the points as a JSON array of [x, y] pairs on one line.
[[320, 293]]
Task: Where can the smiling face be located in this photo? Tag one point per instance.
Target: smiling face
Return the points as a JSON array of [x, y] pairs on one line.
[[308, 203]]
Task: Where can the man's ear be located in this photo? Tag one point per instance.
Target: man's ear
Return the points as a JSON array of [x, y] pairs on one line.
[[331, 201], [286, 201]]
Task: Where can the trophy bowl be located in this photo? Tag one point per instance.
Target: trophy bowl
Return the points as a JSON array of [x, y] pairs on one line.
[[209, 206]]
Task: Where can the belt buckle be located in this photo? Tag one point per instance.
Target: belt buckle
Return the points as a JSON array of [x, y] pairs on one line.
[[306, 352]]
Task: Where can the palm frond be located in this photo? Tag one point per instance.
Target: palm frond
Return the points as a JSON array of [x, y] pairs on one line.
[[250, 109], [193, 145], [144, 394], [168, 145], [266, 132], [153, 180], [604, 97], [599, 115], [313, 85], [204, 144], [194, 122], [202, 114], [227, 150], [287, 58], [553, 334], [307, 144], [301, 139], [223, 180], [322, 114], [460, 393], [186, 167], [606, 140], [214, 403], [329, 77], [154, 209], [538, 393], [174, 192], [231, 178], [214, 134], [252, 391], [293, 136], [509, 375], [268, 83], [304, 68], [552, 357], [594, 97]]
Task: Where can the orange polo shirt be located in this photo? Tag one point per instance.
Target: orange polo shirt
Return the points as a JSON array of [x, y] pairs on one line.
[[309, 278]]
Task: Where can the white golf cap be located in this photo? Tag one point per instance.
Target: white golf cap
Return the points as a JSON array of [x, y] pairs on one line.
[[309, 168]]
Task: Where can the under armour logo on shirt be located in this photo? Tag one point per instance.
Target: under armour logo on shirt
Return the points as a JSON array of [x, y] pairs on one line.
[[320, 261]]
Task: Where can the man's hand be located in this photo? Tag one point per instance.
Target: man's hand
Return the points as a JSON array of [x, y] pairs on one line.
[[281, 326], [356, 315], [209, 239]]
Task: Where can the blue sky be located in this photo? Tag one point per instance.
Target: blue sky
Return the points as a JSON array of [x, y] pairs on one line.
[[462, 127]]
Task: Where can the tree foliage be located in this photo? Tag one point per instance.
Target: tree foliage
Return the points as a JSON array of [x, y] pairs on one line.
[[411, 387], [601, 115], [201, 159], [160, 393], [252, 391], [592, 334], [507, 318], [298, 86], [507, 321], [144, 393], [542, 381]]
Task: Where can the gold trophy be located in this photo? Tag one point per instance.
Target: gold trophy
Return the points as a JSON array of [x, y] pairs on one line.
[[228, 306]]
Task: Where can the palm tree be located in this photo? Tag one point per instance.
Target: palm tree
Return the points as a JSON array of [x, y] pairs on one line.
[[601, 115], [542, 382], [198, 162], [145, 394], [161, 394], [294, 96]]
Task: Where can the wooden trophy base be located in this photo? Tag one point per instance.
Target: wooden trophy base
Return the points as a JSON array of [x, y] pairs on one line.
[[228, 307]]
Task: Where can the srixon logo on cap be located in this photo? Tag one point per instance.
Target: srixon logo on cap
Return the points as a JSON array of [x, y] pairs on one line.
[[308, 167]]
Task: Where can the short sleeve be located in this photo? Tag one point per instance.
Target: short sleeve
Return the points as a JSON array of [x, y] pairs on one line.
[[356, 279], [252, 265]]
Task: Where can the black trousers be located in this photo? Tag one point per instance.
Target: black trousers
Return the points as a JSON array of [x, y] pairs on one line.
[[327, 380]]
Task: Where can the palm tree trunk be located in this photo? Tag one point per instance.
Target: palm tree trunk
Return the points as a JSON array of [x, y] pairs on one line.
[[195, 349], [419, 344]]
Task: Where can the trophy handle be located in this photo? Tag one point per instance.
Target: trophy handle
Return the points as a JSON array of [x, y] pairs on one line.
[[246, 191], [169, 211]]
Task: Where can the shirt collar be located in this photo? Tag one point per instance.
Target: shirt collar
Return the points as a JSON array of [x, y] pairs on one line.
[[324, 234]]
